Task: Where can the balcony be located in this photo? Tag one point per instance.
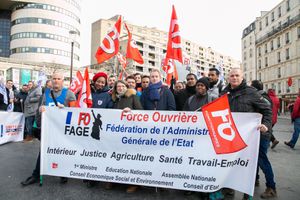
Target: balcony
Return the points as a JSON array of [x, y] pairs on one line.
[[287, 24]]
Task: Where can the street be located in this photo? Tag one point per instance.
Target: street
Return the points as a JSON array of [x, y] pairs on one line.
[[18, 160]]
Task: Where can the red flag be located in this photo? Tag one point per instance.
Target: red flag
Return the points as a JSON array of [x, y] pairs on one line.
[[110, 44], [222, 130], [85, 96], [76, 84], [174, 50], [290, 82], [123, 62], [132, 50]]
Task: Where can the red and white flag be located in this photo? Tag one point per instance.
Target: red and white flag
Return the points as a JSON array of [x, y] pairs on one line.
[[222, 129], [85, 96], [132, 49], [174, 50], [123, 62], [76, 84], [110, 44]]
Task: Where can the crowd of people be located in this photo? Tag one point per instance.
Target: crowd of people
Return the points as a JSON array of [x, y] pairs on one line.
[[143, 92]]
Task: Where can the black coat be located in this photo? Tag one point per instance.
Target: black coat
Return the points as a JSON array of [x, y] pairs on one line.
[[245, 98], [182, 96]]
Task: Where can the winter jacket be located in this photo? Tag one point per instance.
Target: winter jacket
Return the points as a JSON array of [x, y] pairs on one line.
[[296, 110], [19, 104], [245, 98], [166, 102], [31, 103], [275, 106], [182, 96], [129, 99], [216, 89], [101, 98], [3, 106], [195, 102]]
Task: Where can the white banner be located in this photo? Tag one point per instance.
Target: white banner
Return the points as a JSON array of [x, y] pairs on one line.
[[153, 148], [11, 127]]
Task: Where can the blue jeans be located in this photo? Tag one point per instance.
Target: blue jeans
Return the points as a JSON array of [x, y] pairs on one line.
[[29, 124], [264, 163], [296, 132]]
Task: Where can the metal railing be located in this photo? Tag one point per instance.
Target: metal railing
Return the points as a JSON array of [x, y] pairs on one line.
[[289, 23]]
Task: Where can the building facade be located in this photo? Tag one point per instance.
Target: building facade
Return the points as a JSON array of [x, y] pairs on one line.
[[152, 44], [275, 45], [42, 31]]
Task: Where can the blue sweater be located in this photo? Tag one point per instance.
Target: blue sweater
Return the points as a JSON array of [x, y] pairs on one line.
[[102, 99]]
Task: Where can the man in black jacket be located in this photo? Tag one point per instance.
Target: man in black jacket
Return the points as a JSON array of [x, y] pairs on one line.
[[190, 89], [244, 98]]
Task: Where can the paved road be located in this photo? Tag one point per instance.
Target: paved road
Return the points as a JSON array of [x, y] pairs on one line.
[[18, 159]]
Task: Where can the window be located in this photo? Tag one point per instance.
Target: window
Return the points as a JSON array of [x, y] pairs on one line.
[[287, 53], [279, 11], [272, 45], [259, 64], [250, 53], [278, 42], [259, 76], [272, 16], [250, 40], [139, 44], [279, 87], [260, 26], [267, 21], [266, 48], [245, 55], [266, 61], [287, 37], [152, 48], [298, 32], [244, 44], [278, 57], [259, 51], [279, 72], [288, 5]]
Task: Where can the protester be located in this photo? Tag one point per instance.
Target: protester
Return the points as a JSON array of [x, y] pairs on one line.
[[130, 80], [111, 81], [4, 97], [101, 97], [138, 82], [263, 161], [296, 120], [60, 97], [157, 96], [194, 103], [190, 89], [145, 82], [30, 107], [20, 99], [275, 110], [179, 85], [201, 98], [243, 98], [216, 85], [125, 98]]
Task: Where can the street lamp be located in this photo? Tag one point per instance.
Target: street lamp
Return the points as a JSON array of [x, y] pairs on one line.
[[72, 35]]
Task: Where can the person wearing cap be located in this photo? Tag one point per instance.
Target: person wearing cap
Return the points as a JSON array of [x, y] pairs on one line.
[[195, 102], [101, 97]]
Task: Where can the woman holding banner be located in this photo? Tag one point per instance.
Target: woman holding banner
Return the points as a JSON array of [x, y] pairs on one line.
[[126, 99]]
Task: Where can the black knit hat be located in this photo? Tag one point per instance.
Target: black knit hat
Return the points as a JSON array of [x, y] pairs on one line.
[[205, 81]]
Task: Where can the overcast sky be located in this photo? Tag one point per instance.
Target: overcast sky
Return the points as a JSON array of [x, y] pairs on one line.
[[211, 23]]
